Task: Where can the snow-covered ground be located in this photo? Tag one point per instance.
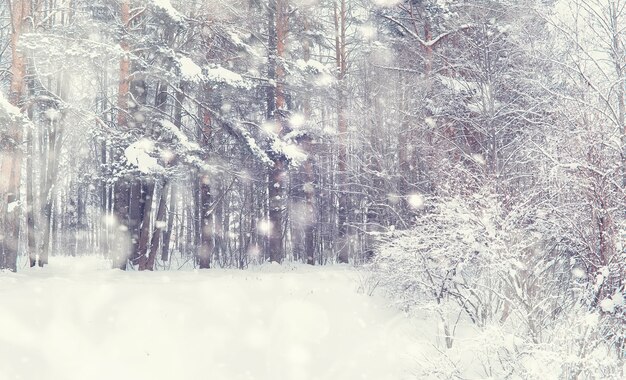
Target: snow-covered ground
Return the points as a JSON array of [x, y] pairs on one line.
[[76, 319]]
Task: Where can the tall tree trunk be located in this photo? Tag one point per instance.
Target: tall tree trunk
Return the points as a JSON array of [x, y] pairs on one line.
[[171, 213], [302, 189], [207, 243], [278, 20], [342, 244], [145, 231], [142, 189], [131, 114], [49, 191], [11, 158], [158, 227], [135, 216], [122, 187]]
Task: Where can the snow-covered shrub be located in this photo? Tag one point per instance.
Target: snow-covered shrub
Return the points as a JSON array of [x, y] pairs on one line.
[[586, 213], [492, 262], [511, 275]]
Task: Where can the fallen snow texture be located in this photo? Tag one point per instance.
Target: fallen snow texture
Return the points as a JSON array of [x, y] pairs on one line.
[[189, 71], [138, 155], [253, 146], [182, 138], [221, 75], [8, 109], [167, 7], [76, 320], [292, 152]]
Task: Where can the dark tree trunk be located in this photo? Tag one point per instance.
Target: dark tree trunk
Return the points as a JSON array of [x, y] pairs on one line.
[[145, 231], [158, 228], [207, 219], [167, 234], [207, 243]]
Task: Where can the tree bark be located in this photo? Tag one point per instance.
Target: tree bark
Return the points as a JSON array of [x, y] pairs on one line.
[[342, 244], [207, 219], [278, 22], [122, 187], [167, 234], [206, 242], [158, 228], [145, 230], [11, 159]]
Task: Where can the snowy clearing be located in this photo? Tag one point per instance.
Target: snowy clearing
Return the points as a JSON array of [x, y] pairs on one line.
[[77, 320]]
